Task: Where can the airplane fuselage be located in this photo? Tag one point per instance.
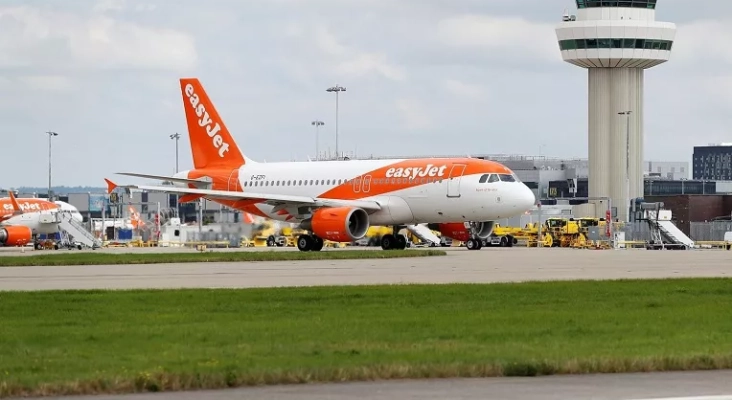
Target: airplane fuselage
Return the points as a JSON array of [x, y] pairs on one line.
[[38, 214], [410, 191]]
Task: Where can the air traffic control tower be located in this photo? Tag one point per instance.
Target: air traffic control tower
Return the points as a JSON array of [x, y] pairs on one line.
[[616, 41]]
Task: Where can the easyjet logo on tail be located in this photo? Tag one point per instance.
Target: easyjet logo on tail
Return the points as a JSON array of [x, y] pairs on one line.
[[414, 172], [205, 121]]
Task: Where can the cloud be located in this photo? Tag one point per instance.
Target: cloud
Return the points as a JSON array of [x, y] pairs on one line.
[[504, 36], [462, 89], [344, 60], [38, 37], [47, 82], [417, 71], [697, 43]]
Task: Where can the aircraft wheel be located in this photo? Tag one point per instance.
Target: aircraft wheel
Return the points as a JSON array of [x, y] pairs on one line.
[[401, 242], [472, 244], [388, 242], [304, 243], [317, 243], [510, 241]]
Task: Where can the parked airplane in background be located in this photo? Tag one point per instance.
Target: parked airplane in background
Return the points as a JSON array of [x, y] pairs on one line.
[[23, 218], [339, 200]]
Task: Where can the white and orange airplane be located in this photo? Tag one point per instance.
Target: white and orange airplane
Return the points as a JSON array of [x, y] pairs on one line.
[[339, 200], [21, 219]]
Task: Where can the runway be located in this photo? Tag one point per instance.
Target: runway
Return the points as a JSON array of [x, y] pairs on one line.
[[460, 265], [682, 385]]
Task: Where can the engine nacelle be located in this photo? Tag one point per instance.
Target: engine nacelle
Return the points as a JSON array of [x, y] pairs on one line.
[[15, 235], [338, 224], [459, 230], [485, 229]]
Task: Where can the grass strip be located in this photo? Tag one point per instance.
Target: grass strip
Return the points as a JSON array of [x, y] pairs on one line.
[[229, 256], [86, 342]]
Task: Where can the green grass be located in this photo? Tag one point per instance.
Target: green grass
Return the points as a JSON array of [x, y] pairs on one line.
[[229, 256], [76, 342]]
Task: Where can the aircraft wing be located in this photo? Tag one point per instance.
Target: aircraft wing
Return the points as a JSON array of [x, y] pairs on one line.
[[272, 199], [197, 182]]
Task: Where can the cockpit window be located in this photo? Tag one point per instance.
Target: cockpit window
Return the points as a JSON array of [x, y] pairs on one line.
[[493, 178], [483, 178], [507, 178]]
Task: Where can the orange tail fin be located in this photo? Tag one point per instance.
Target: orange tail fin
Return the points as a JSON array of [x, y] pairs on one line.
[[14, 202], [110, 185], [211, 143]]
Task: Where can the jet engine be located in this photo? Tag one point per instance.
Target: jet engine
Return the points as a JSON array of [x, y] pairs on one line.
[[339, 224], [459, 230], [15, 235]]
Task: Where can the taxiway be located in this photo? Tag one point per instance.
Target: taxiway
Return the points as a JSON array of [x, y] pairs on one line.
[[459, 266]]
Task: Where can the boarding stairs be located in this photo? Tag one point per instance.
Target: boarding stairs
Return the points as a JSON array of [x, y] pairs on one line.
[[77, 231], [662, 226], [424, 234]]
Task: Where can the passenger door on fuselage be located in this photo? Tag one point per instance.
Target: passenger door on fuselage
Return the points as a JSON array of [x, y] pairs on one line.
[[453, 180]]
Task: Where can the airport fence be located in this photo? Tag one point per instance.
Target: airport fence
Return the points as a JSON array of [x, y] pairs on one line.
[[233, 239], [640, 231], [699, 232], [710, 231]]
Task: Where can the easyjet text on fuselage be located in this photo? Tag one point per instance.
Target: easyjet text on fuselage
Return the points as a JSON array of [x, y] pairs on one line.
[[25, 206], [414, 172], [205, 121]]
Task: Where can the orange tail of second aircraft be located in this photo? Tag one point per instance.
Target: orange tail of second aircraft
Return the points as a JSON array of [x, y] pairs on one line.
[[211, 142]]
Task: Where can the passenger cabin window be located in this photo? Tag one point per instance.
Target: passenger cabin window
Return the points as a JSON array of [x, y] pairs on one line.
[[507, 178]]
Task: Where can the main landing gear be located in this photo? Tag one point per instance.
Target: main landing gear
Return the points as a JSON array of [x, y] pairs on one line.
[[394, 242], [309, 243], [474, 244]]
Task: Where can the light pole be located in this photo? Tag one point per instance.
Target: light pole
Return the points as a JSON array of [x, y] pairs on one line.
[[336, 89], [50, 134], [175, 137], [627, 163], [316, 124]]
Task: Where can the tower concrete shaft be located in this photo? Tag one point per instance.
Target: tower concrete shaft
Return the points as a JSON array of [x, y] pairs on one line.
[[616, 41]]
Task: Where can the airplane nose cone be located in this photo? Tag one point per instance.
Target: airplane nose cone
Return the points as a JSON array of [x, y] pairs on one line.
[[78, 218], [527, 198]]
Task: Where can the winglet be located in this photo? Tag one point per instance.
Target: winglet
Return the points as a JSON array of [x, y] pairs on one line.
[[14, 202], [110, 185]]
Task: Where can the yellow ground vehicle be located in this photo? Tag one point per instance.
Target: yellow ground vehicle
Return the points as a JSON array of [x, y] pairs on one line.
[[291, 234], [267, 234], [374, 234], [504, 236], [558, 232]]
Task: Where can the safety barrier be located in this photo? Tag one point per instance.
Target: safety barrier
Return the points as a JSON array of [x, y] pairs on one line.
[[713, 244]]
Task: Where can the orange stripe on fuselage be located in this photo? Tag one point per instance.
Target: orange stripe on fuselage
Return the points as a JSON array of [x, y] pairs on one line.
[[227, 179], [30, 204], [412, 173]]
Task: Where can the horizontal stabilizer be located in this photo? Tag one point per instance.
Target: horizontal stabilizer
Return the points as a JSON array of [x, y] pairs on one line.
[[187, 198]]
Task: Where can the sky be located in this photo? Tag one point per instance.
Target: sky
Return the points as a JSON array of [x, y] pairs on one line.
[[422, 77]]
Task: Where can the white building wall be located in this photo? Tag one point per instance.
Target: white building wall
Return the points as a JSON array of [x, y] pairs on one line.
[[668, 169]]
